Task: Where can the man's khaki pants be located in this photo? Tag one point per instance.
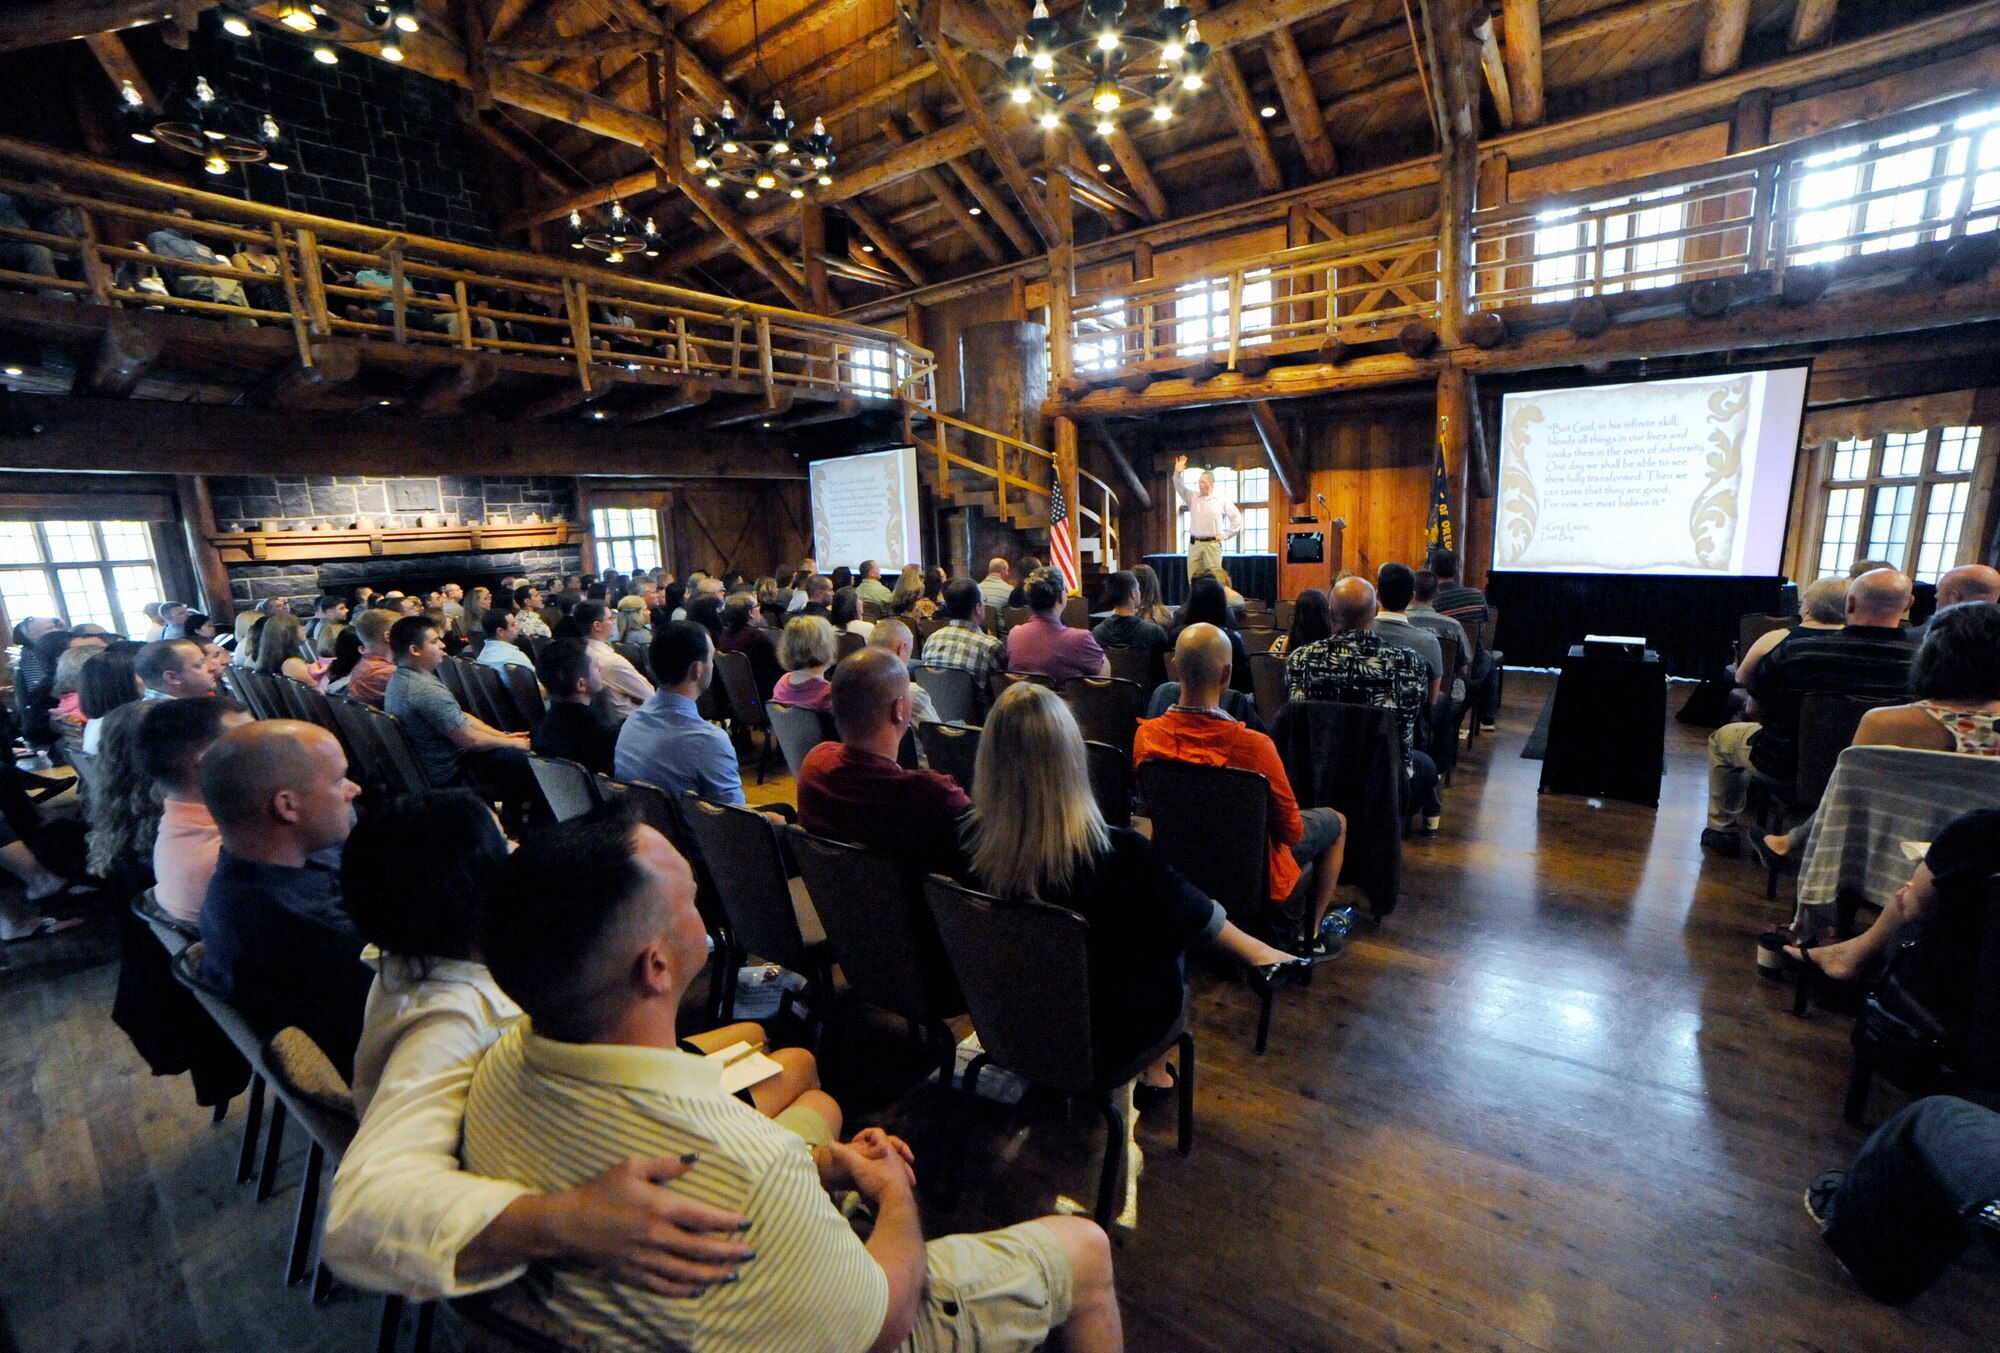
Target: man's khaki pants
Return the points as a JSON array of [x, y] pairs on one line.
[[1204, 556], [1729, 773]]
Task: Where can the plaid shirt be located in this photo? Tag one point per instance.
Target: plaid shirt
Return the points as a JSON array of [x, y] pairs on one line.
[[963, 644], [1357, 667]]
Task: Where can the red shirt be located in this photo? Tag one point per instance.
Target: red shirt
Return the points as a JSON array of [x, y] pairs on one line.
[[1053, 649], [911, 816], [369, 681], [1208, 740]]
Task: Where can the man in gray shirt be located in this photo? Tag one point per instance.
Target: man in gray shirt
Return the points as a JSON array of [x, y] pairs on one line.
[[1426, 616], [1394, 586], [452, 746]]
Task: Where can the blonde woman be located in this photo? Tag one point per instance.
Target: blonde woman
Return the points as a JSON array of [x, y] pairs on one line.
[[910, 601], [1035, 832], [635, 622], [805, 650], [325, 648], [278, 648], [246, 620]]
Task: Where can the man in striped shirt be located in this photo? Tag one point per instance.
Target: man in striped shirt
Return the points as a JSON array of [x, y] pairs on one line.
[[594, 932]]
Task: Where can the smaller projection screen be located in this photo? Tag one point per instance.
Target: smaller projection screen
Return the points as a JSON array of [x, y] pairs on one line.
[[865, 507], [1685, 477]]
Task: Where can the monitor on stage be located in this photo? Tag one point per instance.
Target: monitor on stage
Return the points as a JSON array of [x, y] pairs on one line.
[[866, 507], [1688, 477]]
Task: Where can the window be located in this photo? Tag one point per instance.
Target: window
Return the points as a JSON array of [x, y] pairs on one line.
[[1100, 338], [1635, 238], [86, 572], [1201, 314], [628, 538], [1928, 183], [868, 368], [1902, 497], [1250, 490]]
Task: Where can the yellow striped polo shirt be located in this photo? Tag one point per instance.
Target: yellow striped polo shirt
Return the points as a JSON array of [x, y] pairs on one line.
[[552, 1115]]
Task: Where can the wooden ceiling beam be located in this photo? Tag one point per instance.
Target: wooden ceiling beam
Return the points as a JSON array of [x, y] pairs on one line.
[[508, 15], [35, 25], [886, 240], [951, 65], [934, 182], [119, 67], [631, 185], [1722, 40], [582, 47], [753, 249], [1812, 22], [808, 23], [893, 87], [808, 80], [539, 167], [989, 199], [1494, 67], [1107, 199], [1139, 174], [703, 24], [1242, 110], [1295, 89], [1521, 25]]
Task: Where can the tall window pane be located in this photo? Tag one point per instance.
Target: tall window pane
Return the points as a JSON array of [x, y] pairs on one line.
[[1889, 529], [27, 593], [1903, 454], [85, 597], [1944, 524], [1957, 449], [1843, 530], [17, 543], [136, 584], [69, 541], [126, 540], [1850, 460]]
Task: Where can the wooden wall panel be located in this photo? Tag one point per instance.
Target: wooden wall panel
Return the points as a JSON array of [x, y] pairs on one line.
[[1375, 472], [750, 528], [942, 325]]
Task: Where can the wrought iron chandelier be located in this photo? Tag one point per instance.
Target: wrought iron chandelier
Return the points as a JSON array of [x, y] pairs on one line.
[[618, 238], [380, 23], [1106, 64], [198, 121], [763, 160]]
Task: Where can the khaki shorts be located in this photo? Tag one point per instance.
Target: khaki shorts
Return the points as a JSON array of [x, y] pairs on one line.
[[993, 1292]]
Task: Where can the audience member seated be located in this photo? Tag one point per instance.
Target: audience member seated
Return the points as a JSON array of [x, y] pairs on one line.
[[1043, 644], [625, 685], [172, 740], [667, 743], [846, 614], [893, 636], [278, 647], [275, 940], [1423, 613], [328, 610], [595, 934], [66, 715], [997, 586], [635, 621], [870, 587], [502, 649], [450, 743], [805, 650], [173, 669], [1197, 730], [817, 590], [1125, 627], [1030, 566], [705, 610], [802, 579], [109, 679], [528, 605], [1312, 621], [962, 641], [1035, 832], [1869, 656], [1914, 1198], [1208, 604], [1467, 605], [854, 790], [1955, 679], [574, 728], [368, 681], [1355, 666], [118, 804], [1151, 607], [743, 632], [1967, 582], [1822, 606], [1395, 588]]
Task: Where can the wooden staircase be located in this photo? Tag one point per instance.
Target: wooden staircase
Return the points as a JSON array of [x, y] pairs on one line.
[[1008, 479]]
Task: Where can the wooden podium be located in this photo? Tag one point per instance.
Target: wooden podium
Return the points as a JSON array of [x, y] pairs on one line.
[[1295, 578]]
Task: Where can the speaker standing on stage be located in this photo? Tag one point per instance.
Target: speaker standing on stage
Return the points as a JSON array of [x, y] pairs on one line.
[[1211, 521]]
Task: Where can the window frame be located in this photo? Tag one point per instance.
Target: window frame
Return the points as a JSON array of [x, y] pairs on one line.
[[1870, 484], [103, 564], [1256, 511], [604, 543]]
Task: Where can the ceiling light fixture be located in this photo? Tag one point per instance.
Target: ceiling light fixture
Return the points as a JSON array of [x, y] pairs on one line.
[[197, 120], [1104, 62], [1267, 111], [772, 158], [620, 235]]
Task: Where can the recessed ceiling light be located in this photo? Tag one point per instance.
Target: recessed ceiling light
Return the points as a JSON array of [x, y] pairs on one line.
[[385, 403], [972, 211], [1103, 168], [1267, 111], [767, 425], [14, 371], [326, 56], [598, 414], [867, 248], [235, 27]]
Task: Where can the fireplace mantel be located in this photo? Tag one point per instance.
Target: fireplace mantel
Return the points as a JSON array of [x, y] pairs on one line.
[[310, 547]]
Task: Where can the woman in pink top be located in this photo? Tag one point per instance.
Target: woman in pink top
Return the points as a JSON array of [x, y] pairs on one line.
[[806, 649], [172, 742]]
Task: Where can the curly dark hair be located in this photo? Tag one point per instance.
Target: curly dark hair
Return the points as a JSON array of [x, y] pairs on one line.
[[1960, 659]]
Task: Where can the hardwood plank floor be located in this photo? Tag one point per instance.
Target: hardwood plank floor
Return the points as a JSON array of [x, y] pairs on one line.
[[1546, 1105]]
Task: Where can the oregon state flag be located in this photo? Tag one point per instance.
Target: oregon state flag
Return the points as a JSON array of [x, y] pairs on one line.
[[1438, 529]]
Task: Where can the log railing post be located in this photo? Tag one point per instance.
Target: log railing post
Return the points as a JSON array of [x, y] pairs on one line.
[[300, 333], [464, 315], [317, 313], [399, 306], [766, 367], [94, 269]]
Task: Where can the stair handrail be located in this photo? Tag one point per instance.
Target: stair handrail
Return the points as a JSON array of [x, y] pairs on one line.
[[1107, 519], [998, 472]]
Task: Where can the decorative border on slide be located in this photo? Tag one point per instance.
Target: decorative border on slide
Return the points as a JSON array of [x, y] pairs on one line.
[[1712, 517], [1520, 504]]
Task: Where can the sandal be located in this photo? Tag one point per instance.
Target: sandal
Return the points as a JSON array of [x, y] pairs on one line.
[[43, 925], [1146, 1097]]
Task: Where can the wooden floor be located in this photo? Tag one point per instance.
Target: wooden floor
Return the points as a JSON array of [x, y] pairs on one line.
[[1547, 1105]]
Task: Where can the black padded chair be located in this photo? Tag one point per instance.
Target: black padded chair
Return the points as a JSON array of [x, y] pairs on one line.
[[1011, 616], [567, 790], [1267, 686], [1257, 638], [767, 917], [846, 644], [1140, 666], [747, 712], [1110, 781], [495, 701], [526, 693], [1076, 613], [1025, 970], [951, 750], [798, 731], [639, 655], [950, 689], [1212, 823], [452, 674], [1107, 709], [248, 1041], [1828, 722]]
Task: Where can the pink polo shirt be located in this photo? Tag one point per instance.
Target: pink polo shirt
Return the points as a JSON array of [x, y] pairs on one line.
[[184, 856]]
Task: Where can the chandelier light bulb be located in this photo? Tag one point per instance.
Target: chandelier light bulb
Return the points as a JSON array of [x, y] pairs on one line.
[[1267, 111], [326, 56], [777, 111], [1193, 32], [131, 95], [702, 162], [1162, 113], [235, 27], [1191, 82], [819, 161], [576, 220], [1107, 41], [1021, 94], [406, 21], [143, 137], [215, 164], [728, 147], [750, 194], [972, 211], [391, 52], [767, 181], [212, 134], [728, 110], [1103, 168], [819, 127], [1049, 121], [781, 147], [798, 192], [1105, 97], [713, 181], [1041, 9], [826, 180], [613, 257], [1172, 51], [204, 92], [699, 130], [1105, 126], [268, 129], [1044, 62]]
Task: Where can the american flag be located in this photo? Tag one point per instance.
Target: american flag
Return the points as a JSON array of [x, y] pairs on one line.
[[1061, 550]]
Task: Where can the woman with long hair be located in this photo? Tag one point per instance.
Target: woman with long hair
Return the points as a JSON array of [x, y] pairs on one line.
[[1150, 606], [1312, 621], [278, 646], [1208, 604], [1035, 832], [908, 601], [118, 803]]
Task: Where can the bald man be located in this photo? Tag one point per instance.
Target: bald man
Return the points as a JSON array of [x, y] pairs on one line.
[[1868, 656], [1967, 582], [1354, 666], [893, 636], [275, 940], [1197, 730]]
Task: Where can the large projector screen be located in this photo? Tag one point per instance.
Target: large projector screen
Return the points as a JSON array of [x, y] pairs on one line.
[[865, 507], [1687, 477]]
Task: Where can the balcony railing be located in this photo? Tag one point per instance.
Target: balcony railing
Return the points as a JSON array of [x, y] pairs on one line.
[[326, 279]]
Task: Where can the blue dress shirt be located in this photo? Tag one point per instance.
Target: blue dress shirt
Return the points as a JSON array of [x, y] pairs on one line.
[[667, 743]]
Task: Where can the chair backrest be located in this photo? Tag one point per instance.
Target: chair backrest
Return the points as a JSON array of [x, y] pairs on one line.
[[1076, 613], [367, 759], [879, 927], [1110, 781], [235, 1025], [453, 676], [252, 690], [1107, 709], [567, 789], [873, 610], [1136, 665], [662, 812], [798, 730], [479, 702], [1000, 681], [1254, 621], [1025, 970], [739, 684], [951, 749], [1751, 628], [173, 933], [638, 654], [1267, 686], [1014, 615], [1258, 638], [1213, 824], [1827, 724], [526, 693], [1282, 613], [406, 771], [496, 703], [1489, 631], [740, 847], [1448, 652], [950, 690], [924, 629], [847, 643]]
